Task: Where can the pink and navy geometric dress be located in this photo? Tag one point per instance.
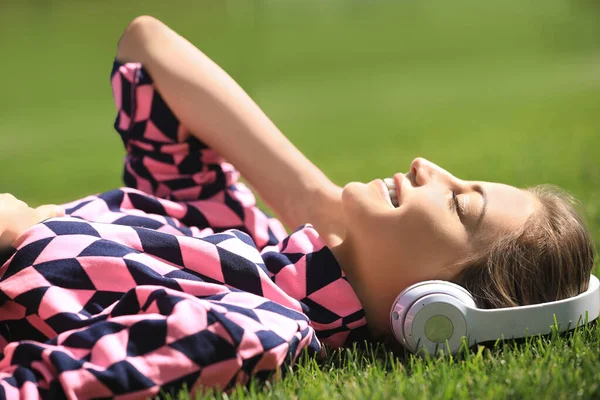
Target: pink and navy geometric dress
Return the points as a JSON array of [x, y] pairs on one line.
[[176, 279]]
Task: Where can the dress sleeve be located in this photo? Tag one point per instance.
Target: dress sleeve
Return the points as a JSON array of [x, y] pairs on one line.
[[156, 340], [162, 158]]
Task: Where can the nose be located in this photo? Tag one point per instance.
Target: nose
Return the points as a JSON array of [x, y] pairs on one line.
[[423, 171]]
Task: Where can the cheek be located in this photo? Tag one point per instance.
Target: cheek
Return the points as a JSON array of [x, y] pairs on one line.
[[433, 227], [433, 253], [428, 223], [424, 242]]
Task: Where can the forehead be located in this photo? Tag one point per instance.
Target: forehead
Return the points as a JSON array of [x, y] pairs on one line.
[[508, 207]]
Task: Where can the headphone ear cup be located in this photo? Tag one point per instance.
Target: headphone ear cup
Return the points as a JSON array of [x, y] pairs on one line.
[[431, 313]]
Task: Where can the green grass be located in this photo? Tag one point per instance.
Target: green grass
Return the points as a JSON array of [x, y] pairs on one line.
[[558, 367], [504, 91]]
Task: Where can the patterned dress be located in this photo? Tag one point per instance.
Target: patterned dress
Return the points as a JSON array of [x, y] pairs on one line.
[[176, 279]]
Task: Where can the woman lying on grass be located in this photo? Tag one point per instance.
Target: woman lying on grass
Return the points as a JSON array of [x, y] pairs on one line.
[[180, 279]]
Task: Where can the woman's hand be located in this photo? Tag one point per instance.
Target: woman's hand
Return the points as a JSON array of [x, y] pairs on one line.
[[16, 217]]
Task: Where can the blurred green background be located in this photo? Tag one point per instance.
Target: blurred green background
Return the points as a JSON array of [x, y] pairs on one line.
[[501, 91]]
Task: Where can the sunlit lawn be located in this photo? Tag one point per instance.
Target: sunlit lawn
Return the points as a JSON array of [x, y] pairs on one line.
[[508, 92]]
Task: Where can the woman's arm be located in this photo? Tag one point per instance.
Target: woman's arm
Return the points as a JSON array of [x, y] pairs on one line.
[[218, 111]]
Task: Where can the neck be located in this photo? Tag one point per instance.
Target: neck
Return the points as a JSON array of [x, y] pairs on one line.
[[329, 221], [363, 285]]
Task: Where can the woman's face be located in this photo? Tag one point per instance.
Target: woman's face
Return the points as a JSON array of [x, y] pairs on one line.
[[439, 221]]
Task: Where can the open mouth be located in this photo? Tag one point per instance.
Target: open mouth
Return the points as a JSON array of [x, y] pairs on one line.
[[391, 186]]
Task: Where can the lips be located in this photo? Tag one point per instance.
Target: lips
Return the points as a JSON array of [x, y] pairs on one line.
[[398, 180]]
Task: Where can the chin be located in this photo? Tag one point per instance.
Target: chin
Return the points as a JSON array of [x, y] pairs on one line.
[[355, 203], [352, 193]]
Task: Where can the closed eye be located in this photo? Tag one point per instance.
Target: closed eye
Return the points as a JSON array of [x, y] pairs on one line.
[[455, 205]]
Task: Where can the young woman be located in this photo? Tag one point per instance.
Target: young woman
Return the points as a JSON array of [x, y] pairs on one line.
[[179, 278]]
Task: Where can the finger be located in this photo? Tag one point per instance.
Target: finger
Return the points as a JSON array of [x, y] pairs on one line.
[[50, 211]]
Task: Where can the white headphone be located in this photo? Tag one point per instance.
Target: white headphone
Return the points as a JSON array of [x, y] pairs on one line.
[[435, 315]]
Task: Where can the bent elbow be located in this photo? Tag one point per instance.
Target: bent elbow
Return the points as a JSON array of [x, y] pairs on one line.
[[138, 34]]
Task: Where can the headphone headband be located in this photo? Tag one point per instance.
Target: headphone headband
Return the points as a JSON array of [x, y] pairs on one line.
[[435, 315]]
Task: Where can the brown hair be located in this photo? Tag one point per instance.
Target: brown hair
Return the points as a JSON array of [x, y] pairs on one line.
[[549, 258]]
